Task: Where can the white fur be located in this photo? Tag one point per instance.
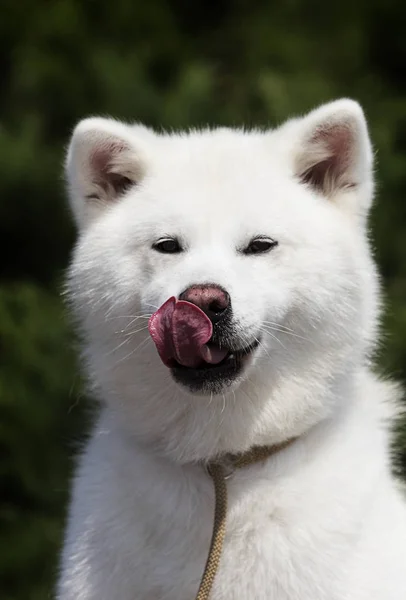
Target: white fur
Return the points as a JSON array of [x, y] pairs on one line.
[[323, 519]]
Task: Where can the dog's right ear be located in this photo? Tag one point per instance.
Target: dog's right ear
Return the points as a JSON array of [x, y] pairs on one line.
[[103, 162]]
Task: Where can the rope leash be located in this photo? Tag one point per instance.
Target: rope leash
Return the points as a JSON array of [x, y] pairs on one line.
[[218, 473]]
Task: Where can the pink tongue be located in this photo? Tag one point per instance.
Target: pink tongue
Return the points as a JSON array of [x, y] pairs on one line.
[[181, 331]]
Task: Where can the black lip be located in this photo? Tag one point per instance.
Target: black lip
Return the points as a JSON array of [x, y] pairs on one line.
[[212, 378]]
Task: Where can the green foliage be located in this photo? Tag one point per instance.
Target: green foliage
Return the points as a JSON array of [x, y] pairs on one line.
[[167, 64], [38, 395]]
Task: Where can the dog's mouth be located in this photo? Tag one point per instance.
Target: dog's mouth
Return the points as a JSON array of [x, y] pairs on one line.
[[192, 349], [208, 377], [232, 357]]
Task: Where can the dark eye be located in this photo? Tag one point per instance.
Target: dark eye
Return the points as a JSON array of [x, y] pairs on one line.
[[259, 246], [168, 246]]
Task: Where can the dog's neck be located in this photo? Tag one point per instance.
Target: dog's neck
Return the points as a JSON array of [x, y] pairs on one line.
[[256, 454], [203, 429]]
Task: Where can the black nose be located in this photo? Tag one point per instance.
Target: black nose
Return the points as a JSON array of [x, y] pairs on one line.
[[212, 299]]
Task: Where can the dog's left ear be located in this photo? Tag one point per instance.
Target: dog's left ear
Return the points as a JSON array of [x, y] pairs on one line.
[[105, 158], [333, 154]]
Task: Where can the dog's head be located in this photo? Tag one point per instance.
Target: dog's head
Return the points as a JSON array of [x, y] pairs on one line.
[[264, 233]]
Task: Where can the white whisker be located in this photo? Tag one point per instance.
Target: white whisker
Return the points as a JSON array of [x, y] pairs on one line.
[[135, 331], [141, 316], [117, 347], [285, 332], [278, 325], [134, 350], [274, 337], [263, 347], [153, 306], [247, 395]]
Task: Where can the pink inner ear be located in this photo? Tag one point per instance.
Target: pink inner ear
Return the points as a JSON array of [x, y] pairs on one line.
[[102, 157], [337, 141], [101, 160]]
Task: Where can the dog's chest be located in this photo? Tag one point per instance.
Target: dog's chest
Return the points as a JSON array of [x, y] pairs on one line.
[[269, 551], [144, 528]]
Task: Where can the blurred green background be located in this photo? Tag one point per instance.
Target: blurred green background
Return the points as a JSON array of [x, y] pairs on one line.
[[167, 64]]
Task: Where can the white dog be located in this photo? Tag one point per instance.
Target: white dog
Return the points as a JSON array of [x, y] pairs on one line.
[[265, 234]]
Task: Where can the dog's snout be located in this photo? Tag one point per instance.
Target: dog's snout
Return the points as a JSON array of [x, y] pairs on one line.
[[212, 300]]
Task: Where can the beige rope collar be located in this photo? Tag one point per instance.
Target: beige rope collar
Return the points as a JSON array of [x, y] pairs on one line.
[[220, 472]]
